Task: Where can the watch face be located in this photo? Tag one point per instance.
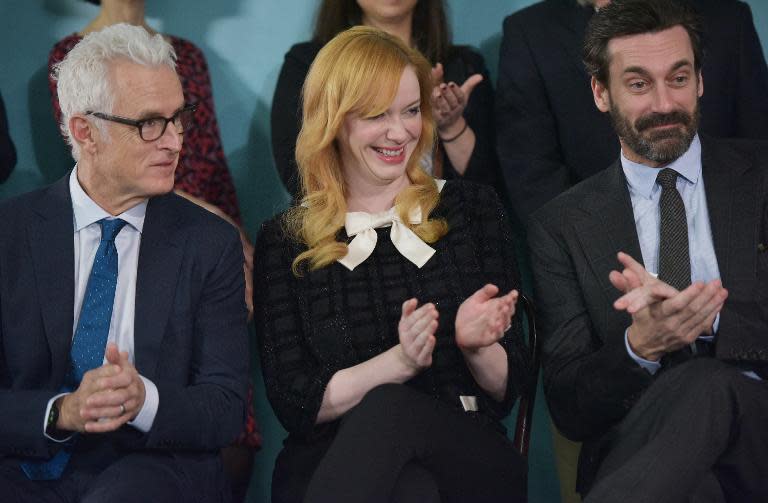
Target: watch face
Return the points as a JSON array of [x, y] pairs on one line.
[[53, 417]]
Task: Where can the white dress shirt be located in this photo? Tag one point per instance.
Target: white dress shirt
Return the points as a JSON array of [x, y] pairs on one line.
[[87, 235]]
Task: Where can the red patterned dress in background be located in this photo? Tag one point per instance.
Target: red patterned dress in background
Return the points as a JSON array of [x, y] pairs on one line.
[[202, 171]]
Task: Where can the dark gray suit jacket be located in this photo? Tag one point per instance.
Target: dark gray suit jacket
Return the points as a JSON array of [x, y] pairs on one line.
[[190, 335], [589, 379]]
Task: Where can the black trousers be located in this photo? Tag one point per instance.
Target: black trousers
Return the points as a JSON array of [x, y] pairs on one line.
[[97, 476], [698, 433], [401, 445]]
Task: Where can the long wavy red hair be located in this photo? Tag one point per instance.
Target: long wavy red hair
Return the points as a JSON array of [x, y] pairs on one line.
[[358, 72]]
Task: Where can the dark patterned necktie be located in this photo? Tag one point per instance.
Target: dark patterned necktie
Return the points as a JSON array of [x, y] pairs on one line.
[[674, 256], [90, 339]]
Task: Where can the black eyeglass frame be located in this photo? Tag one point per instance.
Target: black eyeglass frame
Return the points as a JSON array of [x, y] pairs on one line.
[[139, 124]]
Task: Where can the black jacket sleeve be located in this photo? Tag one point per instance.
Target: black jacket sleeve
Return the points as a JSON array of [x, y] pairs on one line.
[[590, 380], [295, 379]]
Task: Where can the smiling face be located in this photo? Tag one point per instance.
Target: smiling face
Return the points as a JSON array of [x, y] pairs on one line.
[[375, 150], [653, 95], [119, 170]]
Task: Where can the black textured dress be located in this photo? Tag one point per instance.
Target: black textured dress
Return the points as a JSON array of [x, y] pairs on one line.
[[330, 319]]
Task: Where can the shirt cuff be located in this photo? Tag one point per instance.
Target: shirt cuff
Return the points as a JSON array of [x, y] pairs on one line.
[[716, 324], [651, 367], [146, 416], [45, 420]]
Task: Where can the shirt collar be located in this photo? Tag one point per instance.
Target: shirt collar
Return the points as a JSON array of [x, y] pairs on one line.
[[86, 211], [642, 179]]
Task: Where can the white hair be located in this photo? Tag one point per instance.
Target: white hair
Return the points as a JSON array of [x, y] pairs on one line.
[[82, 77]]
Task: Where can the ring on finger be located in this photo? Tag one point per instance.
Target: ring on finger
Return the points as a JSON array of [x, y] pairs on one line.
[[122, 409]]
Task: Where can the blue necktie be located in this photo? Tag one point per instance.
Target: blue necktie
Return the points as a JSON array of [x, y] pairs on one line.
[[90, 339]]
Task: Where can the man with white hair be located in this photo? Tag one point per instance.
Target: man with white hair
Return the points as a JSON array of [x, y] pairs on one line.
[[123, 341]]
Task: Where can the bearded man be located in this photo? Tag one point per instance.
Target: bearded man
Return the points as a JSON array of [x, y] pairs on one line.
[[658, 367], [549, 134]]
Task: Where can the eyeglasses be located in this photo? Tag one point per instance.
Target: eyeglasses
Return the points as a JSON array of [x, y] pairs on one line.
[[152, 128]]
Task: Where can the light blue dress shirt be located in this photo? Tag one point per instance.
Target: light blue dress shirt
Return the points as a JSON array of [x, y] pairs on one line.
[[645, 194]]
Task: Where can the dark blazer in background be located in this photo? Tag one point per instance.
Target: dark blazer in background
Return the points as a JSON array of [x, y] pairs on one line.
[[7, 150], [589, 379], [190, 336], [550, 133], [460, 64]]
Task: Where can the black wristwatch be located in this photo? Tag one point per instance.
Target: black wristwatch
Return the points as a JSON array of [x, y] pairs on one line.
[[53, 418]]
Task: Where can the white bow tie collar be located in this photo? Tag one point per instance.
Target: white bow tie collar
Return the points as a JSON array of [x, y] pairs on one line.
[[361, 226]]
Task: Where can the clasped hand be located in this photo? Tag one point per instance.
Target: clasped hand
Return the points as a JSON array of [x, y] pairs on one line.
[[663, 318], [108, 396]]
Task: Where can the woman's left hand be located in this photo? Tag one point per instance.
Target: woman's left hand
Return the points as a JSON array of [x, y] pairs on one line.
[[483, 318], [449, 101]]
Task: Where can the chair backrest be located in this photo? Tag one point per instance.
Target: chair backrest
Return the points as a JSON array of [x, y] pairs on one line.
[[528, 398]]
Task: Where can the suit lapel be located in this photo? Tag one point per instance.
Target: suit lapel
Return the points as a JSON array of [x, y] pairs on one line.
[[160, 257], [733, 198], [53, 258], [606, 227]]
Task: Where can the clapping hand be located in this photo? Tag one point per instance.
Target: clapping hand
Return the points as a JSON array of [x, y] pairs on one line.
[[483, 318], [416, 329], [663, 318]]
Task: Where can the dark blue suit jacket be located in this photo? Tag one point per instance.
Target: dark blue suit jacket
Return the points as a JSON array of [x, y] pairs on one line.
[[190, 333]]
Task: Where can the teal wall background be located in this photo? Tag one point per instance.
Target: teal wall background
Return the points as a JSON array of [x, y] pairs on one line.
[[244, 42]]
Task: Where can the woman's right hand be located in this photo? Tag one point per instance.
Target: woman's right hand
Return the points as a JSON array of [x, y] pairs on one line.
[[417, 334], [401, 362]]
